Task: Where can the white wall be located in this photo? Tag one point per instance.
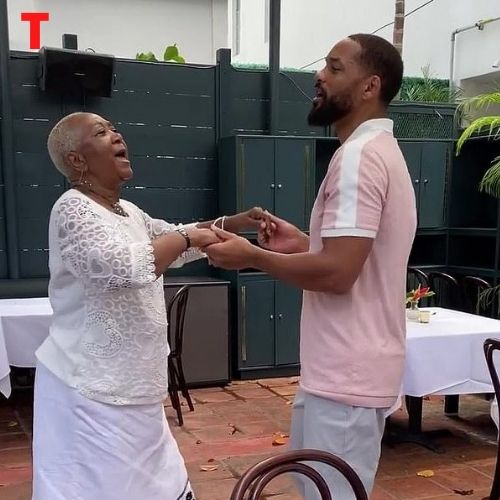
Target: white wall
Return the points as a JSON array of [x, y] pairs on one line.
[[125, 27], [310, 28], [253, 48]]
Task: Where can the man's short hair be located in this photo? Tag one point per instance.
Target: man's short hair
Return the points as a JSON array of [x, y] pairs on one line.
[[381, 58]]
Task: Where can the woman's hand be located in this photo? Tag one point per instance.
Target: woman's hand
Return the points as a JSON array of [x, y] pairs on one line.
[[245, 221]]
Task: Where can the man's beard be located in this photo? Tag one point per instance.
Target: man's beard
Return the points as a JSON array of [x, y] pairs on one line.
[[329, 112]]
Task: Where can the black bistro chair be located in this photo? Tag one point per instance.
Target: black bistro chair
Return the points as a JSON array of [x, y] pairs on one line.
[[176, 380], [447, 289], [473, 287], [490, 346], [254, 480]]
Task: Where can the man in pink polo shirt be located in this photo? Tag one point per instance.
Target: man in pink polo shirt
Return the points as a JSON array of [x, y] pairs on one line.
[[352, 267]]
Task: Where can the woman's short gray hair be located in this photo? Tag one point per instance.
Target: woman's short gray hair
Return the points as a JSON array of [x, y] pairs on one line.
[[63, 139]]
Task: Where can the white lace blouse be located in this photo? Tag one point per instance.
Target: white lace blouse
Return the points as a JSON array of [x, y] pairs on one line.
[[108, 337]]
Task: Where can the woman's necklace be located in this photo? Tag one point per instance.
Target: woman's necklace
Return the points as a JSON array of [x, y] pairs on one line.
[[114, 205]]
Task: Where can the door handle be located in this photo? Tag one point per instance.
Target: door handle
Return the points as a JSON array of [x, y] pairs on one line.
[[426, 181], [417, 181], [241, 179], [280, 316], [279, 186], [271, 317], [243, 323], [272, 186]]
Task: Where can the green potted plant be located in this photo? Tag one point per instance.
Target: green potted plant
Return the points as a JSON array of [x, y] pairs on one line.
[[427, 88], [171, 54]]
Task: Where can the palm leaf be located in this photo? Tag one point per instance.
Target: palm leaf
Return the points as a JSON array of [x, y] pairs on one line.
[[490, 183], [480, 125], [487, 297], [479, 102]]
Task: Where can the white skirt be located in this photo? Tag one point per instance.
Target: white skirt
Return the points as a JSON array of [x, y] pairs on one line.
[[86, 450]]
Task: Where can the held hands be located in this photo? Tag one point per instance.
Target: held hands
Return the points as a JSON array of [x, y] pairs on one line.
[[231, 252], [201, 238]]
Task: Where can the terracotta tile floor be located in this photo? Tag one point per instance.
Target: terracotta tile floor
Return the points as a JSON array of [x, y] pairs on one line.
[[234, 427]]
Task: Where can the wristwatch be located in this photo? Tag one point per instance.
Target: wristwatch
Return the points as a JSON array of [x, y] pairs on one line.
[[185, 235]]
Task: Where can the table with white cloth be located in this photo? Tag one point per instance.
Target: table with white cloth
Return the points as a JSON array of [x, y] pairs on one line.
[[444, 357], [24, 325]]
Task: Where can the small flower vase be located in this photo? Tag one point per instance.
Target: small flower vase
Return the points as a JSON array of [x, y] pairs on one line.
[[413, 312]]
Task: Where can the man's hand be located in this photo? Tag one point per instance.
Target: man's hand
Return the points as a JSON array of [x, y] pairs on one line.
[[278, 235], [201, 238], [232, 252], [245, 221]]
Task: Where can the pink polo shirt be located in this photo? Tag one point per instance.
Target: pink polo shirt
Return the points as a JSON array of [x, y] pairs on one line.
[[353, 344]]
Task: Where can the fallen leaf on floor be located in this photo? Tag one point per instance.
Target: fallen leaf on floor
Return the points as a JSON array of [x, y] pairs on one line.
[[464, 492], [289, 402], [211, 460], [232, 428], [12, 424], [198, 442], [425, 473], [208, 468], [280, 439]]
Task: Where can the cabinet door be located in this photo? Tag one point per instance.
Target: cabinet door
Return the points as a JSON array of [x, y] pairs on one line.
[[294, 180], [288, 311], [412, 151], [256, 323], [432, 184], [255, 173]]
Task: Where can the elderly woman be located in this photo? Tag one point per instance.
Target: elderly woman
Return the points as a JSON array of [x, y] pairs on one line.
[[100, 431]]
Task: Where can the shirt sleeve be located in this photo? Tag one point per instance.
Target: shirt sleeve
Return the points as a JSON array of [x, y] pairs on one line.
[[158, 227], [95, 252], [355, 193]]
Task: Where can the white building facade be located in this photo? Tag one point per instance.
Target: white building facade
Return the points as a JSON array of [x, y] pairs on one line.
[[125, 27], [308, 30]]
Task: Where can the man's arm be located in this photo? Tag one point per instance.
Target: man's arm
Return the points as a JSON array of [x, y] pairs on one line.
[[334, 269]]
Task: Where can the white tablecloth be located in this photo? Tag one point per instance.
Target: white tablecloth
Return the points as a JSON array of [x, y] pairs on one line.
[[446, 355], [24, 324]]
